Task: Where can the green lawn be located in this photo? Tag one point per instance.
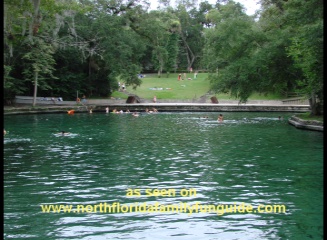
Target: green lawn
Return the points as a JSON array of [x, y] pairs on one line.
[[171, 88]]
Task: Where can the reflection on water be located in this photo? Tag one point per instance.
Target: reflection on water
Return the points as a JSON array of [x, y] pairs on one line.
[[252, 158]]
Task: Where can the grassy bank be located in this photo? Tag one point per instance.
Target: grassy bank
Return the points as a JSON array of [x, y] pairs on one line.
[[171, 88], [306, 116]]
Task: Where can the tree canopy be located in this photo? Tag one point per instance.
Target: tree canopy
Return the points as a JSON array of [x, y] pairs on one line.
[[55, 48], [281, 51]]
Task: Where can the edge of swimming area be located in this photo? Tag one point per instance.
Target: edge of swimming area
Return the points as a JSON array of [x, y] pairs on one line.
[[174, 107], [163, 107]]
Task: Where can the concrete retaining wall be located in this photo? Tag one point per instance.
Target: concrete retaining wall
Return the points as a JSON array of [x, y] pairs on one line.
[[177, 107], [307, 125], [99, 105], [40, 101], [194, 107]]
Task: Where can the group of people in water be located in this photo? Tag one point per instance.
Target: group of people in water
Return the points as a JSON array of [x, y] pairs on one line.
[[147, 110], [135, 114], [220, 118]]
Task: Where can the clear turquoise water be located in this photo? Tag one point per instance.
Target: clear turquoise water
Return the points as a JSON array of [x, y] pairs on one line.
[[251, 157]]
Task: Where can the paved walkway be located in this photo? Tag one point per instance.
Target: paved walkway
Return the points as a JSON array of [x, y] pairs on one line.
[[109, 102], [161, 107], [24, 104]]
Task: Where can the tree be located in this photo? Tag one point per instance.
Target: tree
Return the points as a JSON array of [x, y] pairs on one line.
[[39, 63], [31, 28], [114, 49], [306, 48], [233, 52], [156, 29], [281, 52], [104, 45], [192, 21], [172, 47]]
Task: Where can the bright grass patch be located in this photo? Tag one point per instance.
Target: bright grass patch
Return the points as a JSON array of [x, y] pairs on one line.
[[171, 88]]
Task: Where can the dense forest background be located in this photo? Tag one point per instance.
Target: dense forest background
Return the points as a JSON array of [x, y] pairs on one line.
[[58, 47]]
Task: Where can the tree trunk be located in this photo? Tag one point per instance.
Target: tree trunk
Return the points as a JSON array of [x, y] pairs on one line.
[[313, 104], [189, 53], [35, 87], [160, 68]]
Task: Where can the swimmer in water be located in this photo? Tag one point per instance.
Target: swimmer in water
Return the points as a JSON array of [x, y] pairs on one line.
[[220, 118], [63, 133]]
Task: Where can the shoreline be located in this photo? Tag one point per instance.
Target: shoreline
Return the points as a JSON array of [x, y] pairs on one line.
[[306, 124], [162, 107], [174, 107]]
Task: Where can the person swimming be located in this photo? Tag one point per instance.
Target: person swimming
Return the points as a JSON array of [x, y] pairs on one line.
[[63, 133], [220, 118]]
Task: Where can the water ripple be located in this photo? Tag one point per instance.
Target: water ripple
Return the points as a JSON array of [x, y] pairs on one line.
[[251, 158]]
